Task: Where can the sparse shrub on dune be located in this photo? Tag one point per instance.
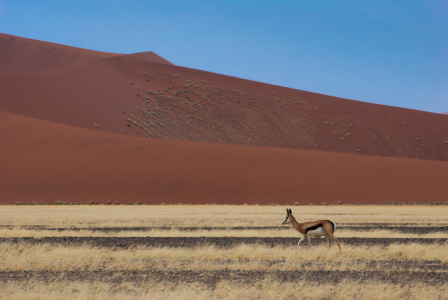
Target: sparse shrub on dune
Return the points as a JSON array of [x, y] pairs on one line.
[[117, 203]]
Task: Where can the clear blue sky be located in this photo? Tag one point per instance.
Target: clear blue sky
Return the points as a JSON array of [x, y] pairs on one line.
[[380, 51]]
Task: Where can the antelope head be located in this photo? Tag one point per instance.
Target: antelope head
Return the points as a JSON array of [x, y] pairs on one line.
[[288, 217]]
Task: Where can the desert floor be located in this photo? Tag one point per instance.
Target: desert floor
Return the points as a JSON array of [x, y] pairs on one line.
[[221, 252]]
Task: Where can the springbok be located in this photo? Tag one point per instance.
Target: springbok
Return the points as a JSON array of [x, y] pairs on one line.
[[313, 229]]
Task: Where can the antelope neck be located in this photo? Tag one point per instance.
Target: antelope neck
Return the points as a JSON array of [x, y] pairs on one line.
[[294, 223]]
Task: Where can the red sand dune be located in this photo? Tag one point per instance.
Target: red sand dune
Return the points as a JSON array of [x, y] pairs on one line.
[[56, 102], [214, 108], [47, 161]]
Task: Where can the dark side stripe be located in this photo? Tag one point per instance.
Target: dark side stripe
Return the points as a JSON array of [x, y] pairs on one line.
[[314, 227]]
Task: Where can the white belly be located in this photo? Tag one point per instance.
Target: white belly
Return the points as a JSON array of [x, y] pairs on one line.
[[316, 232]]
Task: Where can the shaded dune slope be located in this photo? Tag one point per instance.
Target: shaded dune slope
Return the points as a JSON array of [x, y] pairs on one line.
[[170, 102], [47, 161]]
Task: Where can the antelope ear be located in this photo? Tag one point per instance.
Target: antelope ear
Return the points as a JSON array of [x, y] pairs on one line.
[[287, 211], [290, 211]]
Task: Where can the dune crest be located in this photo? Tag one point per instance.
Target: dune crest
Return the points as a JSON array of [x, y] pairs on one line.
[[148, 56]]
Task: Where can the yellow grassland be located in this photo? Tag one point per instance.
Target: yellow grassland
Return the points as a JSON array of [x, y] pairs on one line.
[[212, 215], [55, 257]]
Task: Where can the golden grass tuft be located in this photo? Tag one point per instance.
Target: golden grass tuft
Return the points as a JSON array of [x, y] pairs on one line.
[[16, 257]]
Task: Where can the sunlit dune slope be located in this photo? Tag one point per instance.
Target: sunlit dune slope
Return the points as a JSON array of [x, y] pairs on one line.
[[161, 100], [47, 161]]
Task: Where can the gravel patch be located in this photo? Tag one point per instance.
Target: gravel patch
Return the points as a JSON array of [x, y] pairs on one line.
[[211, 278]]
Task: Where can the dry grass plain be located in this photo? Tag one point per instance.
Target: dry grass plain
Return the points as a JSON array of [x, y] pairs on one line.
[[32, 266], [213, 215]]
